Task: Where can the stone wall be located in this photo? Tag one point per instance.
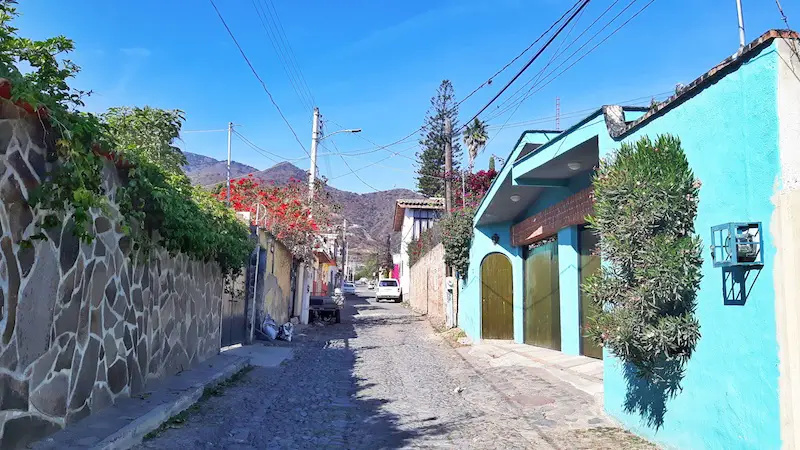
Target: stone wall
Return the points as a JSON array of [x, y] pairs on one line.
[[85, 324], [427, 286]]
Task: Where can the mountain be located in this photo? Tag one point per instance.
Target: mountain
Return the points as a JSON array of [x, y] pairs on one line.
[[369, 216]]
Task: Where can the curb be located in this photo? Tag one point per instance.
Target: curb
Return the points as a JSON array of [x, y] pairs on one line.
[[135, 425]]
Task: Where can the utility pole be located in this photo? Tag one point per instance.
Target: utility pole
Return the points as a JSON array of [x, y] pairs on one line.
[[230, 129], [312, 175], [448, 164], [741, 24], [558, 114], [463, 188]]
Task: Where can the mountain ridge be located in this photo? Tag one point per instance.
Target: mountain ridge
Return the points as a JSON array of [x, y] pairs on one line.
[[369, 215]]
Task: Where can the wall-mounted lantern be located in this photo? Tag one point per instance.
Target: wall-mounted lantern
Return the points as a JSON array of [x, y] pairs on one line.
[[495, 238], [737, 244]]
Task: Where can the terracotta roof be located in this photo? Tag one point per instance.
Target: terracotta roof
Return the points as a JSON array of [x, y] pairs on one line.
[[421, 203], [416, 203]]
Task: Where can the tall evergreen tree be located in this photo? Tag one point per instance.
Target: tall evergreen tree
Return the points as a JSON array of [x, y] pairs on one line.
[[433, 138], [491, 162]]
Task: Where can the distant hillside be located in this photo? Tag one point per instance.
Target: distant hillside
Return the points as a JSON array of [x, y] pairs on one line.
[[369, 215]]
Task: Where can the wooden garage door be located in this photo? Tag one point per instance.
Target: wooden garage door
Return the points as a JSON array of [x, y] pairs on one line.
[[497, 298]]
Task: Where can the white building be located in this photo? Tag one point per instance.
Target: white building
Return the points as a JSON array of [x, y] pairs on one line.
[[412, 217]]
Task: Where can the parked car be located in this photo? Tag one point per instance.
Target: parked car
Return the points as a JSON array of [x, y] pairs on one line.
[[371, 285], [348, 288], [389, 289]]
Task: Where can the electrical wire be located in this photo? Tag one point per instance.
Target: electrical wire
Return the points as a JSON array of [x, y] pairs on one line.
[[588, 41], [351, 169], [556, 54], [288, 45], [528, 64], [489, 80], [262, 17], [263, 85]]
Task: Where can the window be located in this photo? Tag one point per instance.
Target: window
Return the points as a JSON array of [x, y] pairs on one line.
[[388, 283], [423, 219]]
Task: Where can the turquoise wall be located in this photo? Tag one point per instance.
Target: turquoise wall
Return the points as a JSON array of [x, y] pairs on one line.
[[569, 282], [469, 302], [729, 397]]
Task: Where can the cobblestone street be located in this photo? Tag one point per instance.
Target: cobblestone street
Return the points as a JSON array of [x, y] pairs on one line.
[[383, 378]]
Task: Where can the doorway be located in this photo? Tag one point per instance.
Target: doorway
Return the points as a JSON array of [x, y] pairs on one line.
[[497, 298], [542, 316], [589, 265]]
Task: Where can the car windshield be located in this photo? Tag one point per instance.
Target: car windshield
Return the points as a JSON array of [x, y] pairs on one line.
[[348, 285], [391, 283]]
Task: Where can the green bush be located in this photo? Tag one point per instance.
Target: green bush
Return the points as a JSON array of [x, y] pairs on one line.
[[646, 200], [457, 238], [427, 240]]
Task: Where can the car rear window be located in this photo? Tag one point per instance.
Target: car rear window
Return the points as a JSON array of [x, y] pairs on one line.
[[348, 285], [391, 283]]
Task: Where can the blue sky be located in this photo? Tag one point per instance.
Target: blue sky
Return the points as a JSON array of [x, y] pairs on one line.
[[374, 65]]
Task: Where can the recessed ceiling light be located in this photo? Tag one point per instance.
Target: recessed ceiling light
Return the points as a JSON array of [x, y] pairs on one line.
[[574, 165], [515, 198]]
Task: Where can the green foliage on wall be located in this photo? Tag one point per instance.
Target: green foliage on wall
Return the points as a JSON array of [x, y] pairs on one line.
[[425, 242], [457, 238], [156, 199], [646, 200]]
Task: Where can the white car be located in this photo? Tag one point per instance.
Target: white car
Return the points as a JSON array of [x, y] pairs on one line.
[[389, 289], [371, 285], [348, 288]]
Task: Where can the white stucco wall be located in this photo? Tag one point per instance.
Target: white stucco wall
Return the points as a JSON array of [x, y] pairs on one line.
[[787, 241], [405, 238]]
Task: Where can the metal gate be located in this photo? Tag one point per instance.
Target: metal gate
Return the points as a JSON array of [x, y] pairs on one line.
[[542, 310], [234, 323], [497, 299], [235, 300]]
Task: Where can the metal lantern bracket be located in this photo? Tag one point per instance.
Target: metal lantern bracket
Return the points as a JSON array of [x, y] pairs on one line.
[[737, 248], [738, 244]]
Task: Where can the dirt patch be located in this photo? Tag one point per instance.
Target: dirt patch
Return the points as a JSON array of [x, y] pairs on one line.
[[178, 420]]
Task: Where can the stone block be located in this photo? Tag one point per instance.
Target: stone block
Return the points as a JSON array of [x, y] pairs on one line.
[[35, 309], [118, 376], [50, 397], [13, 393], [20, 431]]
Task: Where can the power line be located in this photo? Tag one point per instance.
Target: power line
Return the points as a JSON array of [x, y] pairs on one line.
[[288, 45], [262, 17], [263, 85], [528, 64], [351, 169], [254, 147], [370, 164], [489, 81], [377, 148], [556, 54], [204, 131], [588, 41]]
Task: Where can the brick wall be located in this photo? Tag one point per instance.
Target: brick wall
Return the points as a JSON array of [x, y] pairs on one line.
[[570, 211], [427, 286]]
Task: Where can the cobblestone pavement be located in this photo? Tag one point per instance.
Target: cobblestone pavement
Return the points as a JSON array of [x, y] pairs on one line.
[[383, 378]]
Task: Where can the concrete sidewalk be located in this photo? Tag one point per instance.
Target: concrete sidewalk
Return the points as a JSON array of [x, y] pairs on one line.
[[581, 372], [125, 423]]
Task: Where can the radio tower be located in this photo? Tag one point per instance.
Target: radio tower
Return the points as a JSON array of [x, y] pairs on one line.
[[558, 114]]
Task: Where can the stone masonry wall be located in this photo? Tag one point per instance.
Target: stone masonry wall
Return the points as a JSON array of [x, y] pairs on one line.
[[427, 288], [82, 325]]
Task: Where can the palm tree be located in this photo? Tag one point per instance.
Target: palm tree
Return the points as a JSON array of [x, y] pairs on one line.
[[475, 137]]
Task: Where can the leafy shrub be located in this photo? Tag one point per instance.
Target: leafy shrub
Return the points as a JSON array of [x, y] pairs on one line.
[[156, 199], [456, 238], [646, 200], [426, 241]]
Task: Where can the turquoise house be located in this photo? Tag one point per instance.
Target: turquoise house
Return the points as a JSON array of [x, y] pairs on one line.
[[740, 127]]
